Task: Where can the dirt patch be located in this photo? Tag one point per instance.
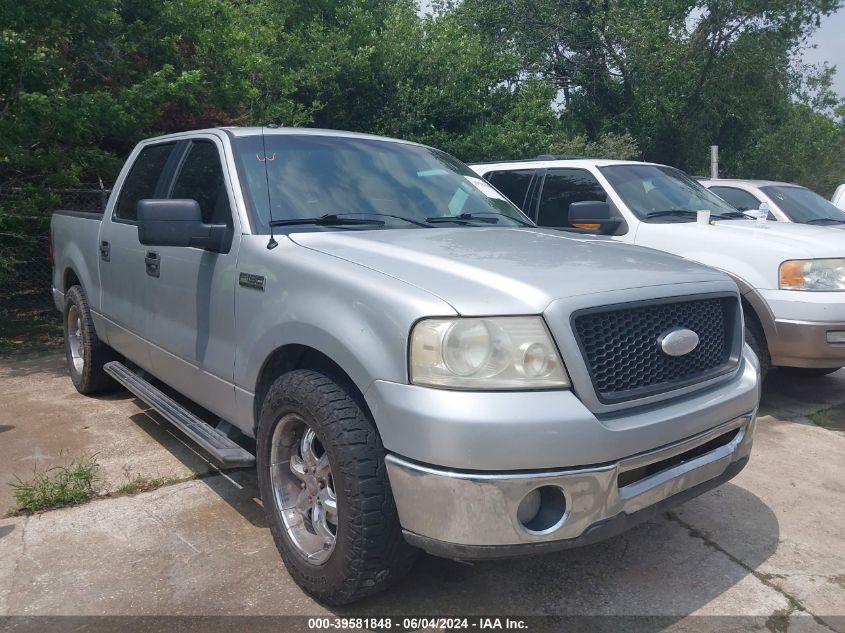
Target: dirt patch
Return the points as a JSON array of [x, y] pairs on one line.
[[27, 330]]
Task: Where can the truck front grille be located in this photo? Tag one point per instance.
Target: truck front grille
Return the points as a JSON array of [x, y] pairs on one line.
[[623, 356]]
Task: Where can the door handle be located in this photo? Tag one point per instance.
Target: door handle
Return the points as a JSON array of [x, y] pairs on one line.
[[105, 251], [153, 262]]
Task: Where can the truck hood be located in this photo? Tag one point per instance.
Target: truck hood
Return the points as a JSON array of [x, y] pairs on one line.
[[483, 271], [793, 241]]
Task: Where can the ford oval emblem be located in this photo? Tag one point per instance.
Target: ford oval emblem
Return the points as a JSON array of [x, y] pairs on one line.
[[678, 342]]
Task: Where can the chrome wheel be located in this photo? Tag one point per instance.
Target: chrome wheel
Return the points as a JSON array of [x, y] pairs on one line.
[[303, 488], [74, 338]]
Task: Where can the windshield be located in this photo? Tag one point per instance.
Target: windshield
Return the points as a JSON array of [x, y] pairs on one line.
[[663, 194], [803, 205], [342, 183]]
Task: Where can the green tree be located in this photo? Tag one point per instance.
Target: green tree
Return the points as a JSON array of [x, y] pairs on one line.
[[678, 76], [806, 147]]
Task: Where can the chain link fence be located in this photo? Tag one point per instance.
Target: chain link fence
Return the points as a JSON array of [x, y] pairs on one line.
[[26, 304]]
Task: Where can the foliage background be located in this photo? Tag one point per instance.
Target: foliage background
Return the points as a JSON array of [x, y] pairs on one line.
[[81, 81]]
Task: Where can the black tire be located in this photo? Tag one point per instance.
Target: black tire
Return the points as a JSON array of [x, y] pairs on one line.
[[88, 376], [369, 552], [757, 342], [808, 372]]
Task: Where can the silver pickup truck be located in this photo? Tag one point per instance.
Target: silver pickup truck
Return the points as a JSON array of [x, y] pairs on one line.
[[419, 365]]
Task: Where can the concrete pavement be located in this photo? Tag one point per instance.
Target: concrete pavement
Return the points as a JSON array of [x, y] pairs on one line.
[[44, 422], [769, 545]]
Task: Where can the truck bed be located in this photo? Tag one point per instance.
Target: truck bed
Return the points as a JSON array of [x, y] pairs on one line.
[[75, 237]]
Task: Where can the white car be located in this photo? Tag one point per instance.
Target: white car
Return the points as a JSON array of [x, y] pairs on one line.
[[838, 198], [791, 276], [786, 202]]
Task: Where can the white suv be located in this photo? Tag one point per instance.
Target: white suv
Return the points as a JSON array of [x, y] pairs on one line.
[[786, 202], [792, 276]]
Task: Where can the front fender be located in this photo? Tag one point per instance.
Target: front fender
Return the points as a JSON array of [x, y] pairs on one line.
[[357, 317]]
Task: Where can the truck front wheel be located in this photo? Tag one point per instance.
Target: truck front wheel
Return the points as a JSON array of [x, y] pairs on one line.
[[325, 490], [85, 352], [756, 340]]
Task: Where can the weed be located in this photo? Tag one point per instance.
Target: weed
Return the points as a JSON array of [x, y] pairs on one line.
[[145, 484], [822, 418], [57, 486]]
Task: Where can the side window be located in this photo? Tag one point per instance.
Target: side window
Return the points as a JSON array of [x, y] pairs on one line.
[[142, 181], [201, 178], [561, 188], [514, 184], [737, 198]]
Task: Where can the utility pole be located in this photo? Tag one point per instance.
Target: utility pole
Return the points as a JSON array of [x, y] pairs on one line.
[[714, 161]]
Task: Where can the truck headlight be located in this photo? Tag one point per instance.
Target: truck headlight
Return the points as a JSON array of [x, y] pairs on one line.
[[486, 353], [812, 274]]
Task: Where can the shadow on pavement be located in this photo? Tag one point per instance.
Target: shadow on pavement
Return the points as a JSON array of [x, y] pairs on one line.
[[665, 566], [5, 530], [785, 393], [27, 364], [237, 487], [660, 567]]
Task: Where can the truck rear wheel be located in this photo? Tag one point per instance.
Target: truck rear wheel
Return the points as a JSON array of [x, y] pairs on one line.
[[85, 352], [325, 490]]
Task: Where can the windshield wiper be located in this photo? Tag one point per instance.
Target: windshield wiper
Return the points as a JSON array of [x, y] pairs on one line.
[[820, 220], [388, 215], [465, 218], [668, 212], [327, 219], [730, 215], [461, 218]]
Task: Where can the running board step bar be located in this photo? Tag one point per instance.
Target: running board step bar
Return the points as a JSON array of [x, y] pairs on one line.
[[223, 449]]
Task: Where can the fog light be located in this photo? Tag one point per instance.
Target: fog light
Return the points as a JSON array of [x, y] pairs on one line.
[[529, 507], [542, 510], [836, 336]]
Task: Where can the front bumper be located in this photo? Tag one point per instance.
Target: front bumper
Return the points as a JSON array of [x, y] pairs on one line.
[[804, 344], [797, 337], [544, 430], [466, 514]]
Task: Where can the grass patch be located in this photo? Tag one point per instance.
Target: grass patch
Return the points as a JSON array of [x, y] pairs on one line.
[[822, 418], [145, 484], [832, 419], [58, 486]]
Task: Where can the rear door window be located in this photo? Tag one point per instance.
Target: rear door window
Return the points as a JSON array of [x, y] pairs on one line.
[[561, 188], [143, 179], [737, 198], [514, 184], [200, 178]]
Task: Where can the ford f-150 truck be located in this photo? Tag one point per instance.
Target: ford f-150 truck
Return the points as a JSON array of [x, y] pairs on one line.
[[791, 276], [419, 365]]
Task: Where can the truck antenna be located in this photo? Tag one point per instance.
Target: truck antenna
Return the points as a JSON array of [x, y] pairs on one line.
[[272, 243]]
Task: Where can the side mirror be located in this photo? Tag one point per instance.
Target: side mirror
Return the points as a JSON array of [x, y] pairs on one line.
[[592, 215], [179, 223]]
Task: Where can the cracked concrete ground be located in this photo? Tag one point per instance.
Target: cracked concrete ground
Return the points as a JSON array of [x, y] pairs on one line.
[[768, 546]]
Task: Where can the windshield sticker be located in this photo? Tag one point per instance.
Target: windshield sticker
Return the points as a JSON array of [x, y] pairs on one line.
[[432, 172], [456, 204], [485, 188]]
